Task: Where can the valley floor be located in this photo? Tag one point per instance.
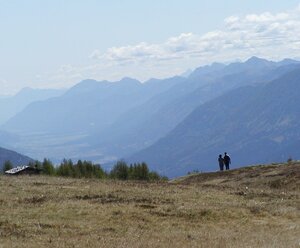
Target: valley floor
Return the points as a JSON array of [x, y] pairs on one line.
[[249, 207]]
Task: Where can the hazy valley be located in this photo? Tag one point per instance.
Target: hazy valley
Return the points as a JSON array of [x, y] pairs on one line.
[[176, 125]]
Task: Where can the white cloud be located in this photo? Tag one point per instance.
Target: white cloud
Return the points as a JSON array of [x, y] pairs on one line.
[[270, 35], [243, 35]]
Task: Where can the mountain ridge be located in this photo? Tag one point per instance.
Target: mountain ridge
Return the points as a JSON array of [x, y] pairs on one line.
[[245, 129], [12, 105], [103, 121]]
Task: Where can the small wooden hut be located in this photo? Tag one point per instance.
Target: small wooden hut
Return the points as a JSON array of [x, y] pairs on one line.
[[23, 170]]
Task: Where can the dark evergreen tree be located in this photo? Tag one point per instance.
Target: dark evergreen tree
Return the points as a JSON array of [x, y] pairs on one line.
[[120, 171], [65, 169], [47, 167], [7, 166], [81, 169]]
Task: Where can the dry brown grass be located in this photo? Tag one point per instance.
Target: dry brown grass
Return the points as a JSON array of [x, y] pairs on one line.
[[240, 208]]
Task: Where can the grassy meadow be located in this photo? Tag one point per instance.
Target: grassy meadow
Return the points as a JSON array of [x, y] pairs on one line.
[[249, 207]]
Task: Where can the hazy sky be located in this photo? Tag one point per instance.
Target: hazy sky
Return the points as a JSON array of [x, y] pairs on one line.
[[57, 43]]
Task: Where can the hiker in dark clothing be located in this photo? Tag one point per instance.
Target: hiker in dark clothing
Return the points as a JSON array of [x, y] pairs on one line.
[[221, 162], [227, 160]]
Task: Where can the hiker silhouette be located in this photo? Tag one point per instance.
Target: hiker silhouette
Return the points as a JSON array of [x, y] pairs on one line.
[[227, 160], [221, 162]]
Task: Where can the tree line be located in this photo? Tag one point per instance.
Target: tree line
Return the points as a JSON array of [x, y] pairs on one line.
[[86, 169]]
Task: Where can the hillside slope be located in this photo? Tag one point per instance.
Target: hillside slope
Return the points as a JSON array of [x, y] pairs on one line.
[[14, 157], [276, 176], [251, 209], [142, 126], [254, 124], [12, 105]]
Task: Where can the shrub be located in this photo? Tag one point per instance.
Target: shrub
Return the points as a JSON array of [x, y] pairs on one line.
[[276, 184]]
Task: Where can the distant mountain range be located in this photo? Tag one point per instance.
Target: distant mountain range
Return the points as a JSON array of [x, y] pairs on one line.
[[256, 124], [11, 105], [58, 127], [15, 158], [145, 124], [89, 105], [176, 124]]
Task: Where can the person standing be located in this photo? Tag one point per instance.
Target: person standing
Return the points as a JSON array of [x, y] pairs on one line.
[[227, 160], [221, 162]]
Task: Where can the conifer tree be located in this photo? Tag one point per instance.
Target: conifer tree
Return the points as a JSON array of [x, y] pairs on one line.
[[7, 166], [47, 167], [120, 171]]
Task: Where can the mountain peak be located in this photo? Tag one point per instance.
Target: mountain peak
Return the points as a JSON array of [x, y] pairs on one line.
[[24, 91], [129, 80], [187, 73], [214, 67], [86, 85], [255, 60]]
